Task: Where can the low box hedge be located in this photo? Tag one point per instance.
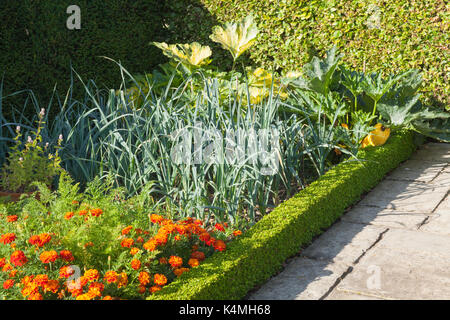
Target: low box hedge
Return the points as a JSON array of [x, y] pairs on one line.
[[260, 252]]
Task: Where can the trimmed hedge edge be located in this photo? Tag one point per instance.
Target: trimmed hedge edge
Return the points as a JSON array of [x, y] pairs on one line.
[[260, 252]]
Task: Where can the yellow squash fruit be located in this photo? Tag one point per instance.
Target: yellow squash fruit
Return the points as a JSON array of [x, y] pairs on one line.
[[376, 137]]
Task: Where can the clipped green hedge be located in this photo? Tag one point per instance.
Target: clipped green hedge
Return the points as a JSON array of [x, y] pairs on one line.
[[260, 252], [374, 35], [37, 48]]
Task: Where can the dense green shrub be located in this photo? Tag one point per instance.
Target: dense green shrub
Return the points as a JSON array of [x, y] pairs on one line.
[[37, 48], [260, 252], [404, 34]]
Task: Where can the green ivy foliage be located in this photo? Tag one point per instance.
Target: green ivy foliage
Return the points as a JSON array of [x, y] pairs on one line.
[[387, 36]]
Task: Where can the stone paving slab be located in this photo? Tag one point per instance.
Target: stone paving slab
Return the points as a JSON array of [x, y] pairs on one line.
[[439, 221], [410, 264], [417, 170], [344, 242], [406, 196], [303, 279], [437, 152], [443, 180], [385, 217], [347, 295]]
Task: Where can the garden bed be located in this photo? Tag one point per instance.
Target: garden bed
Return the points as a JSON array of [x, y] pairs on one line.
[[261, 251]]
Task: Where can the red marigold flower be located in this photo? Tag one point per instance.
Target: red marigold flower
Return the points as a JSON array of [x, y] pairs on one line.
[[193, 262], [96, 212], [92, 275], [18, 258], [144, 278], [141, 289], [219, 245], [88, 244], [140, 239], [126, 230], [155, 218], [179, 271], [44, 238], [7, 267], [160, 279], [127, 243], [153, 289], [219, 227], [135, 264], [8, 284], [66, 255], [68, 215], [175, 261], [198, 222], [162, 260], [111, 276], [7, 238], [66, 271], [12, 218], [200, 256], [48, 256], [177, 238], [2, 262]]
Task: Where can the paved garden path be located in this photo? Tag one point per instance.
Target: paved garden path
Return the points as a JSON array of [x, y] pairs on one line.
[[394, 244]]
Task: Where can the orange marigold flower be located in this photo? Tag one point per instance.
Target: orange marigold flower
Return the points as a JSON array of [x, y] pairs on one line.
[[41, 280], [160, 279], [123, 280], [219, 245], [138, 231], [179, 271], [75, 202], [86, 296], [18, 258], [144, 278], [162, 260], [107, 298], [66, 271], [96, 288], [175, 261], [82, 212], [200, 256], [7, 238], [127, 243], [177, 238], [153, 289], [193, 262], [134, 251], [66, 255], [194, 247], [92, 275], [155, 218], [219, 227], [111, 276], [12, 218], [141, 289], [161, 239], [68, 215], [150, 245], [13, 273], [48, 256], [44, 238], [52, 286], [140, 239], [36, 296], [2, 262], [8, 284], [237, 233], [135, 264], [97, 212], [126, 230], [7, 267]]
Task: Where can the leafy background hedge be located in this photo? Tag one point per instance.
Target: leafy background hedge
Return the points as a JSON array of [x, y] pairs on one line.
[[37, 48], [411, 34]]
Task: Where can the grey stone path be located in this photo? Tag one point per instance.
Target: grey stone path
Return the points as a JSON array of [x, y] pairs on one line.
[[394, 244]]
